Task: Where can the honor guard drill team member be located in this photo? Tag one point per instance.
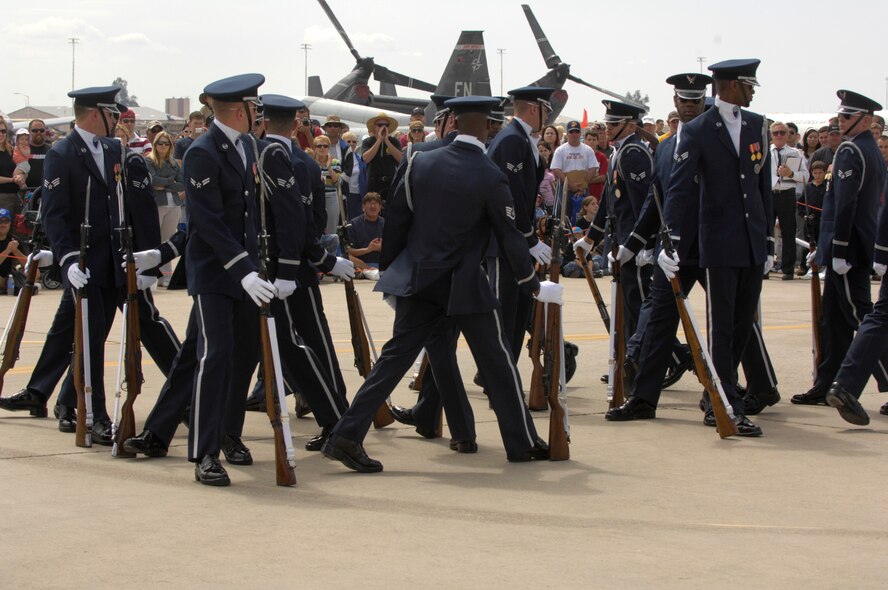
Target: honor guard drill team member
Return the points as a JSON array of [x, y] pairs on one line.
[[87, 160], [722, 163], [457, 190], [222, 257], [629, 176], [846, 247], [157, 336], [290, 225], [515, 153], [659, 313], [425, 415]]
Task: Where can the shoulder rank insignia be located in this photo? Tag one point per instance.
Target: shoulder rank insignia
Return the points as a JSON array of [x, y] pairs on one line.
[[51, 184], [285, 183], [141, 183], [199, 183], [680, 157], [510, 212], [637, 177], [307, 199], [844, 174], [516, 168]]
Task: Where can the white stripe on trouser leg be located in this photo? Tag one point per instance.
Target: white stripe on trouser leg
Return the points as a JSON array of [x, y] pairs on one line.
[[848, 296], [519, 395], [761, 348], [314, 367], [640, 282], [327, 351], [195, 410], [155, 317]]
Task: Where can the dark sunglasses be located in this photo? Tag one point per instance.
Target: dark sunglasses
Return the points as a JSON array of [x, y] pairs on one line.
[[163, 143], [323, 145], [382, 124], [2, 130], [127, 120], [38, 130], [778, 133]]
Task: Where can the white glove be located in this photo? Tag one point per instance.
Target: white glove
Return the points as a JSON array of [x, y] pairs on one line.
[[146, 260], [76, 277], [541, 252], [644, 258], [840, 265], [584, 245], [668, 263], [144, 282], [624, 255], [344, 269], [260, 291], [43, 258], [551, 293], [880, 269], [284, 288], [810, 257], [769, 264]]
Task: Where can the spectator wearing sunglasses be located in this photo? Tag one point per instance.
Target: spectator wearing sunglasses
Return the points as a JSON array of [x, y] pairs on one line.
[[788, 178], [169, 191], [356, 171], [8, 186], [381, 154], [32, 174]]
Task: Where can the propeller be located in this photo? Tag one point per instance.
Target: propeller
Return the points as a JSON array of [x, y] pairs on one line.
[[338, 26], [380, 73], [558, 70]]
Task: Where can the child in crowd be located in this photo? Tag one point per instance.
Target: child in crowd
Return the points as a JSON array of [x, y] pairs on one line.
[[811, 205]]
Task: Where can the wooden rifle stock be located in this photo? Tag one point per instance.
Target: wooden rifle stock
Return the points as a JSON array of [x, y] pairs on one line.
[[285, 474], [616, 384], [132, 354], [360, 343], [593, 287], [15, 329], [536, 397]]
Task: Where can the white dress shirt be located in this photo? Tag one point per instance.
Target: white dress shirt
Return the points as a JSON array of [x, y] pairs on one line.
[[730, 114], [95, 148]]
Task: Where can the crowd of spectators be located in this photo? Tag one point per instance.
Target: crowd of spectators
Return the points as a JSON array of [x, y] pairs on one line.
[[357, 167]]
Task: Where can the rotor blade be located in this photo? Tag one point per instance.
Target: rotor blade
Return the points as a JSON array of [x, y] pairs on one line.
[[549, 54], [339, 28], [618, 96], [383, 74]]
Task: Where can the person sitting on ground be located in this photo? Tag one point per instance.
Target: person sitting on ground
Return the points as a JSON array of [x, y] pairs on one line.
[[10, 254], [365, 237]]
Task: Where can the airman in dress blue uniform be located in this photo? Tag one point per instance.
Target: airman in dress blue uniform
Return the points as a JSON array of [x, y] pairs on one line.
[[722, 163], [850, 242], [515, 154], [629, 177], [438, 275]]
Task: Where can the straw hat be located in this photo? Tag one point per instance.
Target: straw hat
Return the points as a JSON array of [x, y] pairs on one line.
[[371, 122]]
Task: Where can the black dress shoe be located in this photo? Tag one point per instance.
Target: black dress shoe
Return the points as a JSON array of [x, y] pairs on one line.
[[235, 451], [745, 427], [25, 400], [350, 453], [604, 378], [756, 401], [634, 408], [539, 452], [847, 405], [463, 446], [209, 471], [145, 443], [884, 409], [67, 419], [709, 418], [788, 276], [255, 404], [101, 433], [812, 397], [402, 415], [316, 442]]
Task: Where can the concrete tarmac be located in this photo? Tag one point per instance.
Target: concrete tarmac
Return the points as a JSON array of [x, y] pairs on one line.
[[652, 504]]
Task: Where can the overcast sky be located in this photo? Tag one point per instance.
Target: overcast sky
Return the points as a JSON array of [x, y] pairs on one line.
[[175, 49]]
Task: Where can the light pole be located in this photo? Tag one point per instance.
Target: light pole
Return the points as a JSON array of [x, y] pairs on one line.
[[501, 51], [28, 98], [700, 60], [73, 41], [306, 47]]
